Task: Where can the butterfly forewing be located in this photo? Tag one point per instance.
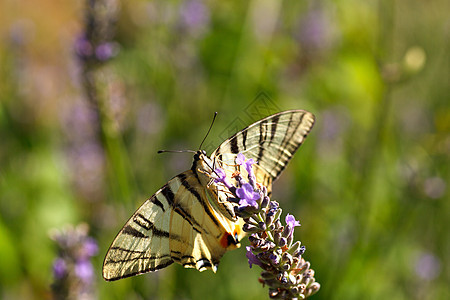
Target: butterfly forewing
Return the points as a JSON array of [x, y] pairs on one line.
[[271, 142]]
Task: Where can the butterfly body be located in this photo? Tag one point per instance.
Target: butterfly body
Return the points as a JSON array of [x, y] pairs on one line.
[[189, 220]]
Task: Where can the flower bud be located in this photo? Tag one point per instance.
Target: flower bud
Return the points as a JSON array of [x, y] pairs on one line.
[[265, 201], [250, 228], [287, 230], [262, 225], [295, 247], [276, 238], [287, 258], [267, 275], [269, 219], [291, 279], [275, 259]]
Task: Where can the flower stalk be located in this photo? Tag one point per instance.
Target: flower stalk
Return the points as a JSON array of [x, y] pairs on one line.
[[272, 246]]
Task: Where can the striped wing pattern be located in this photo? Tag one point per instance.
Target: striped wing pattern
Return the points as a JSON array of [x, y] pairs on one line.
[[271, 142], [176, 224], [189, 220]]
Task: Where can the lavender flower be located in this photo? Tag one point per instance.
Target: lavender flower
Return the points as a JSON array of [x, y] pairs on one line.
[[222, 177], [252, 259], [240, 160], [59, 268], [247, 195], [195, 17], [72, 269], [83, 270], [95, 45], [285, 272]]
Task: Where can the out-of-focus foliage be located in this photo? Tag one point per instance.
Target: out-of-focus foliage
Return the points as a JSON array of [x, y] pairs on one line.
[[370, 184]]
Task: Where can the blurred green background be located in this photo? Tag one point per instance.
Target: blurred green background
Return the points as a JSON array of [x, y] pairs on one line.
[[369, 185]]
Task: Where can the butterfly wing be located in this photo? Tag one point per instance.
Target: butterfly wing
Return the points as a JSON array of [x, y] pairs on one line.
[[177, 224], [271, 142]]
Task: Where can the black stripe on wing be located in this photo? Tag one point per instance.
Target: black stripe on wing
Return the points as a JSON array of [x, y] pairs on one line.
[[197, 196], [167, 192], [271, 142]]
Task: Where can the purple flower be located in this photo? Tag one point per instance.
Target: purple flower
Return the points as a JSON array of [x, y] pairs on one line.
[[83, 47], [252, 259], [240, 160], [222, 177], [195, 16], [73, 268], [105, 51], [247, 195], [59, 268], [284, 270], [291, 222], [84, 270], [90, 247], [428, 266]]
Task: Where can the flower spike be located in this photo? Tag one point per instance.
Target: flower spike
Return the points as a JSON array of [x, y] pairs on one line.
[[285, 272]]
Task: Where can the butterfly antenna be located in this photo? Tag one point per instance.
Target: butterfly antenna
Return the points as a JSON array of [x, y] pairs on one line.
[[176, 151], [214, 118]]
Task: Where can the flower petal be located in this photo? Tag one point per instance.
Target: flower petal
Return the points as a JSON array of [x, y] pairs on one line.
[[252, 259], [292, 221], [240, 159]]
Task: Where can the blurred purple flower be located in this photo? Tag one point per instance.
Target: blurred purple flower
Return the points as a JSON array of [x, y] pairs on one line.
[[79, 121], [59, 268], [72, 269], [84, 271], [106, 51], [315, 32], [90, 248], [195, 16], [428, 266], [83, 48]]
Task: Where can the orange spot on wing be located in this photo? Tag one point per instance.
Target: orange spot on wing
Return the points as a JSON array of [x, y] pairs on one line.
[[224, 240]]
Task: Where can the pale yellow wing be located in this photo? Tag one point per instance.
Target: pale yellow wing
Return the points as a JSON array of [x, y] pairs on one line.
[[177, 224]]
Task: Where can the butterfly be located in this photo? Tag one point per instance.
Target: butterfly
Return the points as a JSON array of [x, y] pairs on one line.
[[189, 220]]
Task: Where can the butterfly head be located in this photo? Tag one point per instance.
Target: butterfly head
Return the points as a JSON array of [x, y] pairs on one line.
[[202, 163]]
